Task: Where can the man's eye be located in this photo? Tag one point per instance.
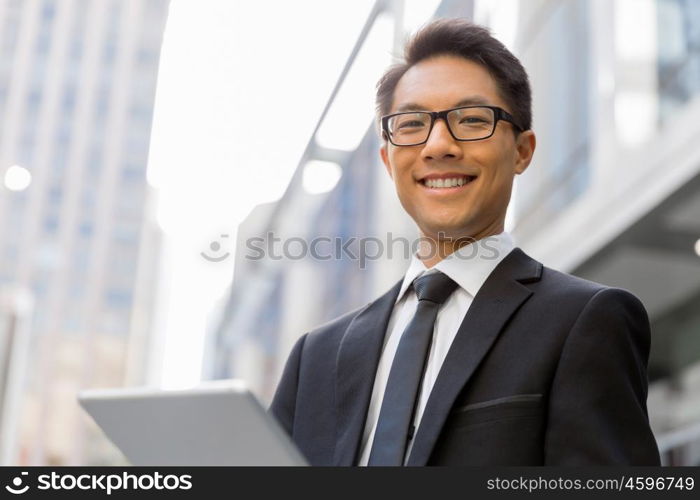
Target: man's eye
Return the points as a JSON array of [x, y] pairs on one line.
[[472, 119], [411, 124]]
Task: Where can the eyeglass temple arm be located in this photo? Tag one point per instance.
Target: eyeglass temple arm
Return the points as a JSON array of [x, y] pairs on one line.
[[501, 114]]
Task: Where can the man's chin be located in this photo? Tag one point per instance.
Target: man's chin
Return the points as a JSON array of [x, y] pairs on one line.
[[449, 232]]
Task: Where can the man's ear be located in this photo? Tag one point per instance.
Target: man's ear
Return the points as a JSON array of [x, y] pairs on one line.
[[524, 149], [385, 159]]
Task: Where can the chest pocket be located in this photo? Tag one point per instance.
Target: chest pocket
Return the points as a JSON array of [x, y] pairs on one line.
[[501, 431], [505, 408]]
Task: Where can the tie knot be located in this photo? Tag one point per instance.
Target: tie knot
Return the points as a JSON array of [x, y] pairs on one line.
[[435, 287]]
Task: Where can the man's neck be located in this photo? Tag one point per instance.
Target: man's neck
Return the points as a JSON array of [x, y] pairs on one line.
[[433, 249]]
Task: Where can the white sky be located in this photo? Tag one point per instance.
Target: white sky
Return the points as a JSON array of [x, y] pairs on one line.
[[226, 67]]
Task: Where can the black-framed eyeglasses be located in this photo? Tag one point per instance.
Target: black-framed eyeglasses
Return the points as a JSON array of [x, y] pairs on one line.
[[466, 123]]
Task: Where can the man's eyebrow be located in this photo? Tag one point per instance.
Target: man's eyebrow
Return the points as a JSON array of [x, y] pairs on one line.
[[467, 101], [476, 100], [410, 106]]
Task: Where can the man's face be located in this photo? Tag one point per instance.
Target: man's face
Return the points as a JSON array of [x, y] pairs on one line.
[[477, 208]]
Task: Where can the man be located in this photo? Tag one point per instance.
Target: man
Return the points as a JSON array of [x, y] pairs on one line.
[[480, 355]]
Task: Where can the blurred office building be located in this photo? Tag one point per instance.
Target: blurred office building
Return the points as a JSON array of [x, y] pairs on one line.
[[613, 193], [77, 238]]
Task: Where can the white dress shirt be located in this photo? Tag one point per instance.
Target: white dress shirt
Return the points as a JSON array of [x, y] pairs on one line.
[[469, 267]]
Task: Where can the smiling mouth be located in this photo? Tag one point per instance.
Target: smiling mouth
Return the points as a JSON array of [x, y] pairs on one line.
[[450, 184]]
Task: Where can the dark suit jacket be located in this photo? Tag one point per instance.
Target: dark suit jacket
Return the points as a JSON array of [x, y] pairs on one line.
[[546, 369]]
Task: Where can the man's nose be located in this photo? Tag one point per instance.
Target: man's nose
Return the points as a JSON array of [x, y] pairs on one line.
[[440, 143]]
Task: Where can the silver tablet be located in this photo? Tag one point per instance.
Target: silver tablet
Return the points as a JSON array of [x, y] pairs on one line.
[[216, 423]]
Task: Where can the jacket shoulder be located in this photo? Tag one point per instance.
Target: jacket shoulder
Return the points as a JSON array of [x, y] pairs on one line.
[[338, 324], [565, 285], [553, 277]]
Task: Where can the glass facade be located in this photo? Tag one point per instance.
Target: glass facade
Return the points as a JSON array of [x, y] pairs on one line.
[[678, 54], [555, 49]]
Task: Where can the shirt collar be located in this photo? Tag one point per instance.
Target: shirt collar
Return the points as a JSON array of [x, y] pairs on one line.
[[468, 267]]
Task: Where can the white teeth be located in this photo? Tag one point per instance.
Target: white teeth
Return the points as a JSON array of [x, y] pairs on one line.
[[445, 183]]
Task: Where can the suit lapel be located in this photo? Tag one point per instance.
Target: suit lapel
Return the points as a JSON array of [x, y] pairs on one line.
[[358, 357], [499, 297]]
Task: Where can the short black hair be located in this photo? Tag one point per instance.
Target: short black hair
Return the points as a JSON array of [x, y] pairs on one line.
[[462, 38]]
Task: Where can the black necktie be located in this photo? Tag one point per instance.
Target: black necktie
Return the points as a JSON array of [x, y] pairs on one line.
[[406, 375]]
